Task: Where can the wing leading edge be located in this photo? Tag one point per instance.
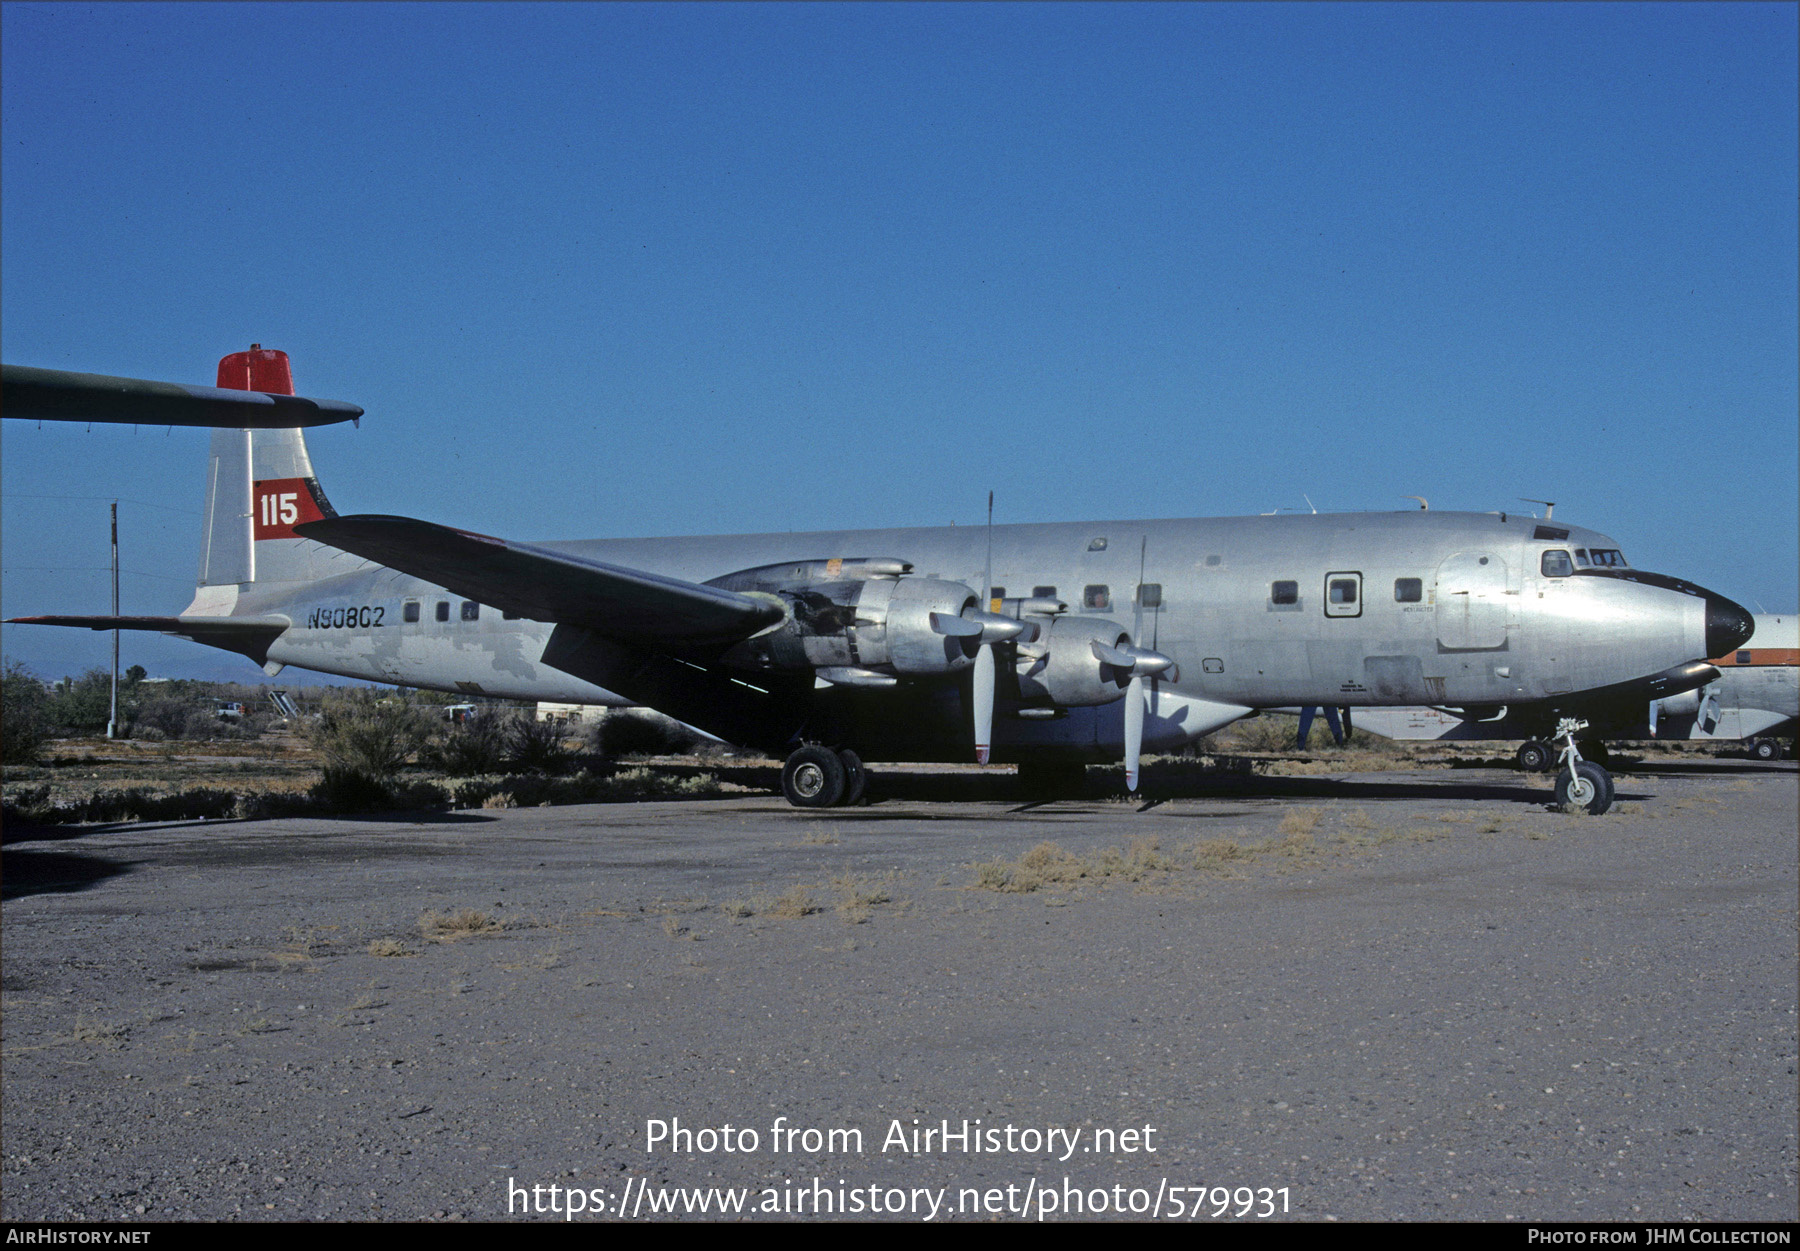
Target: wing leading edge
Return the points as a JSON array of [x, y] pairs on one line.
[[628, 605], [248, 636], [55, 395]]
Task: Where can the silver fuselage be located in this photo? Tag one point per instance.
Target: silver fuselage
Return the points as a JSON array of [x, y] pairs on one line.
[[1483, 625]]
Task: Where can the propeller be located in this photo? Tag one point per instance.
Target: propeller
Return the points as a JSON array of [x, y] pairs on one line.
[[1708, 718], [982, 628], [1145, 664], [982, 700]]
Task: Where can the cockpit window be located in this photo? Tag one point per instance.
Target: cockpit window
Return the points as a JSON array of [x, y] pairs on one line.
[[1555, 563], [1607, 558]]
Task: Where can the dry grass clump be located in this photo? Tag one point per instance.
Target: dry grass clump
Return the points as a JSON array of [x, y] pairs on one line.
[[388, 947], [447, 927], [859, 896], [1216, 853], [87, 1029], [795, 901], [1048, 865], [1301, 821]]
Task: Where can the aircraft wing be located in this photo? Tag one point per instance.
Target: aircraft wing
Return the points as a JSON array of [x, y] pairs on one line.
[[54, 395], [248, 636], [615, 602]]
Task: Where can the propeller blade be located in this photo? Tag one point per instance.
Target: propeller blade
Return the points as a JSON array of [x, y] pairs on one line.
[[987, 570], [984, 702], [1655, 708], [1134, 731]]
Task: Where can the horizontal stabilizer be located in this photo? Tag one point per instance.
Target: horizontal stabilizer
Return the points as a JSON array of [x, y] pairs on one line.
[[629, 605], [248, 636], [53, 395]]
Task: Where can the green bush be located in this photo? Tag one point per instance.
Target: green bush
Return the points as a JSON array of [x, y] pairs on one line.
[[536, 746], [472, 747], [22, 730], [166, 717], [365, 740]]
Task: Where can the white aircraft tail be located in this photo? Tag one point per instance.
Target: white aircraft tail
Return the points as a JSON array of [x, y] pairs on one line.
[[260, 485]]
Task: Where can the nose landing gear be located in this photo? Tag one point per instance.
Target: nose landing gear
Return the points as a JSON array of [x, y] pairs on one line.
[[1581, 783]]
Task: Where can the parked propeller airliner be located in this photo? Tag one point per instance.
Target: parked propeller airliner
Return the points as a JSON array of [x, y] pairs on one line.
[[1050, 645]]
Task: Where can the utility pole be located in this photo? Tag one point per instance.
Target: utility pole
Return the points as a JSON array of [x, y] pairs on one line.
[[112, 723]]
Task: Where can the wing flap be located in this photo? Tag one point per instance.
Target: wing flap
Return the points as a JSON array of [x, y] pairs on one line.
[[528, 581]]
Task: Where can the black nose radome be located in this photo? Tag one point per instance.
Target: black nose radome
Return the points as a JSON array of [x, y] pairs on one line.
[[1728, 625]]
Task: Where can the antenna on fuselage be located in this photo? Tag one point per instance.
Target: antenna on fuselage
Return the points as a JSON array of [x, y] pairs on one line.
[[1423, 506], [1549, 505]]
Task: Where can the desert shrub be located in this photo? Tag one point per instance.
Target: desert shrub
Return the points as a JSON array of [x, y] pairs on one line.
[[168, 717], [368, 734], [79, 705], [586, 787], [473, 747], [1274, 732], [534, 746], [636, 732], [33, 804], [22, 729], [346, 789], [365, 740]]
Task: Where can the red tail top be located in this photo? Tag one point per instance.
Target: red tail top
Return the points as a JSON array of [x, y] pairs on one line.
[[259, 369]]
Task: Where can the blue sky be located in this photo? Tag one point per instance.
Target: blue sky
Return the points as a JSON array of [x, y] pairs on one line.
[[623, 270]]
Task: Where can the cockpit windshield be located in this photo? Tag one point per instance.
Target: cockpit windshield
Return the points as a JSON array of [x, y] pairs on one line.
[[1600, 558]]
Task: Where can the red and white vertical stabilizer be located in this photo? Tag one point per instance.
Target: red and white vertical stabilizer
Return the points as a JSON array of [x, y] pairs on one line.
[[259, 486]]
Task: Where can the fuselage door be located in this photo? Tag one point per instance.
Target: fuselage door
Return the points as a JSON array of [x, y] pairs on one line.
[[1472, 603]]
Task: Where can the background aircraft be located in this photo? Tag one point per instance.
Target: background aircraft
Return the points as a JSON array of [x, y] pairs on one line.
[[1050, 645]]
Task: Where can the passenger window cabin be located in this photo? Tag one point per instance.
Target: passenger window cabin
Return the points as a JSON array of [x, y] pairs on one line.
[[1408, 590]]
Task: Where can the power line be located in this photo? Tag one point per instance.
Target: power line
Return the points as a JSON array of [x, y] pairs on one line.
[[138, 573], [191, 512]]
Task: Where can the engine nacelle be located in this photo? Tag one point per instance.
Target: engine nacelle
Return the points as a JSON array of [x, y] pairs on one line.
[[1061, 666], [856, 624], [910, 642]]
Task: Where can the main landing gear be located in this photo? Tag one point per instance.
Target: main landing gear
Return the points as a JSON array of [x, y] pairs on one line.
[[818, 777], [1581, 783], [1536, 756]]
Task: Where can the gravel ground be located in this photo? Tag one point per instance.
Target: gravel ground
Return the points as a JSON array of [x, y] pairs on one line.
[[1415, 995]]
